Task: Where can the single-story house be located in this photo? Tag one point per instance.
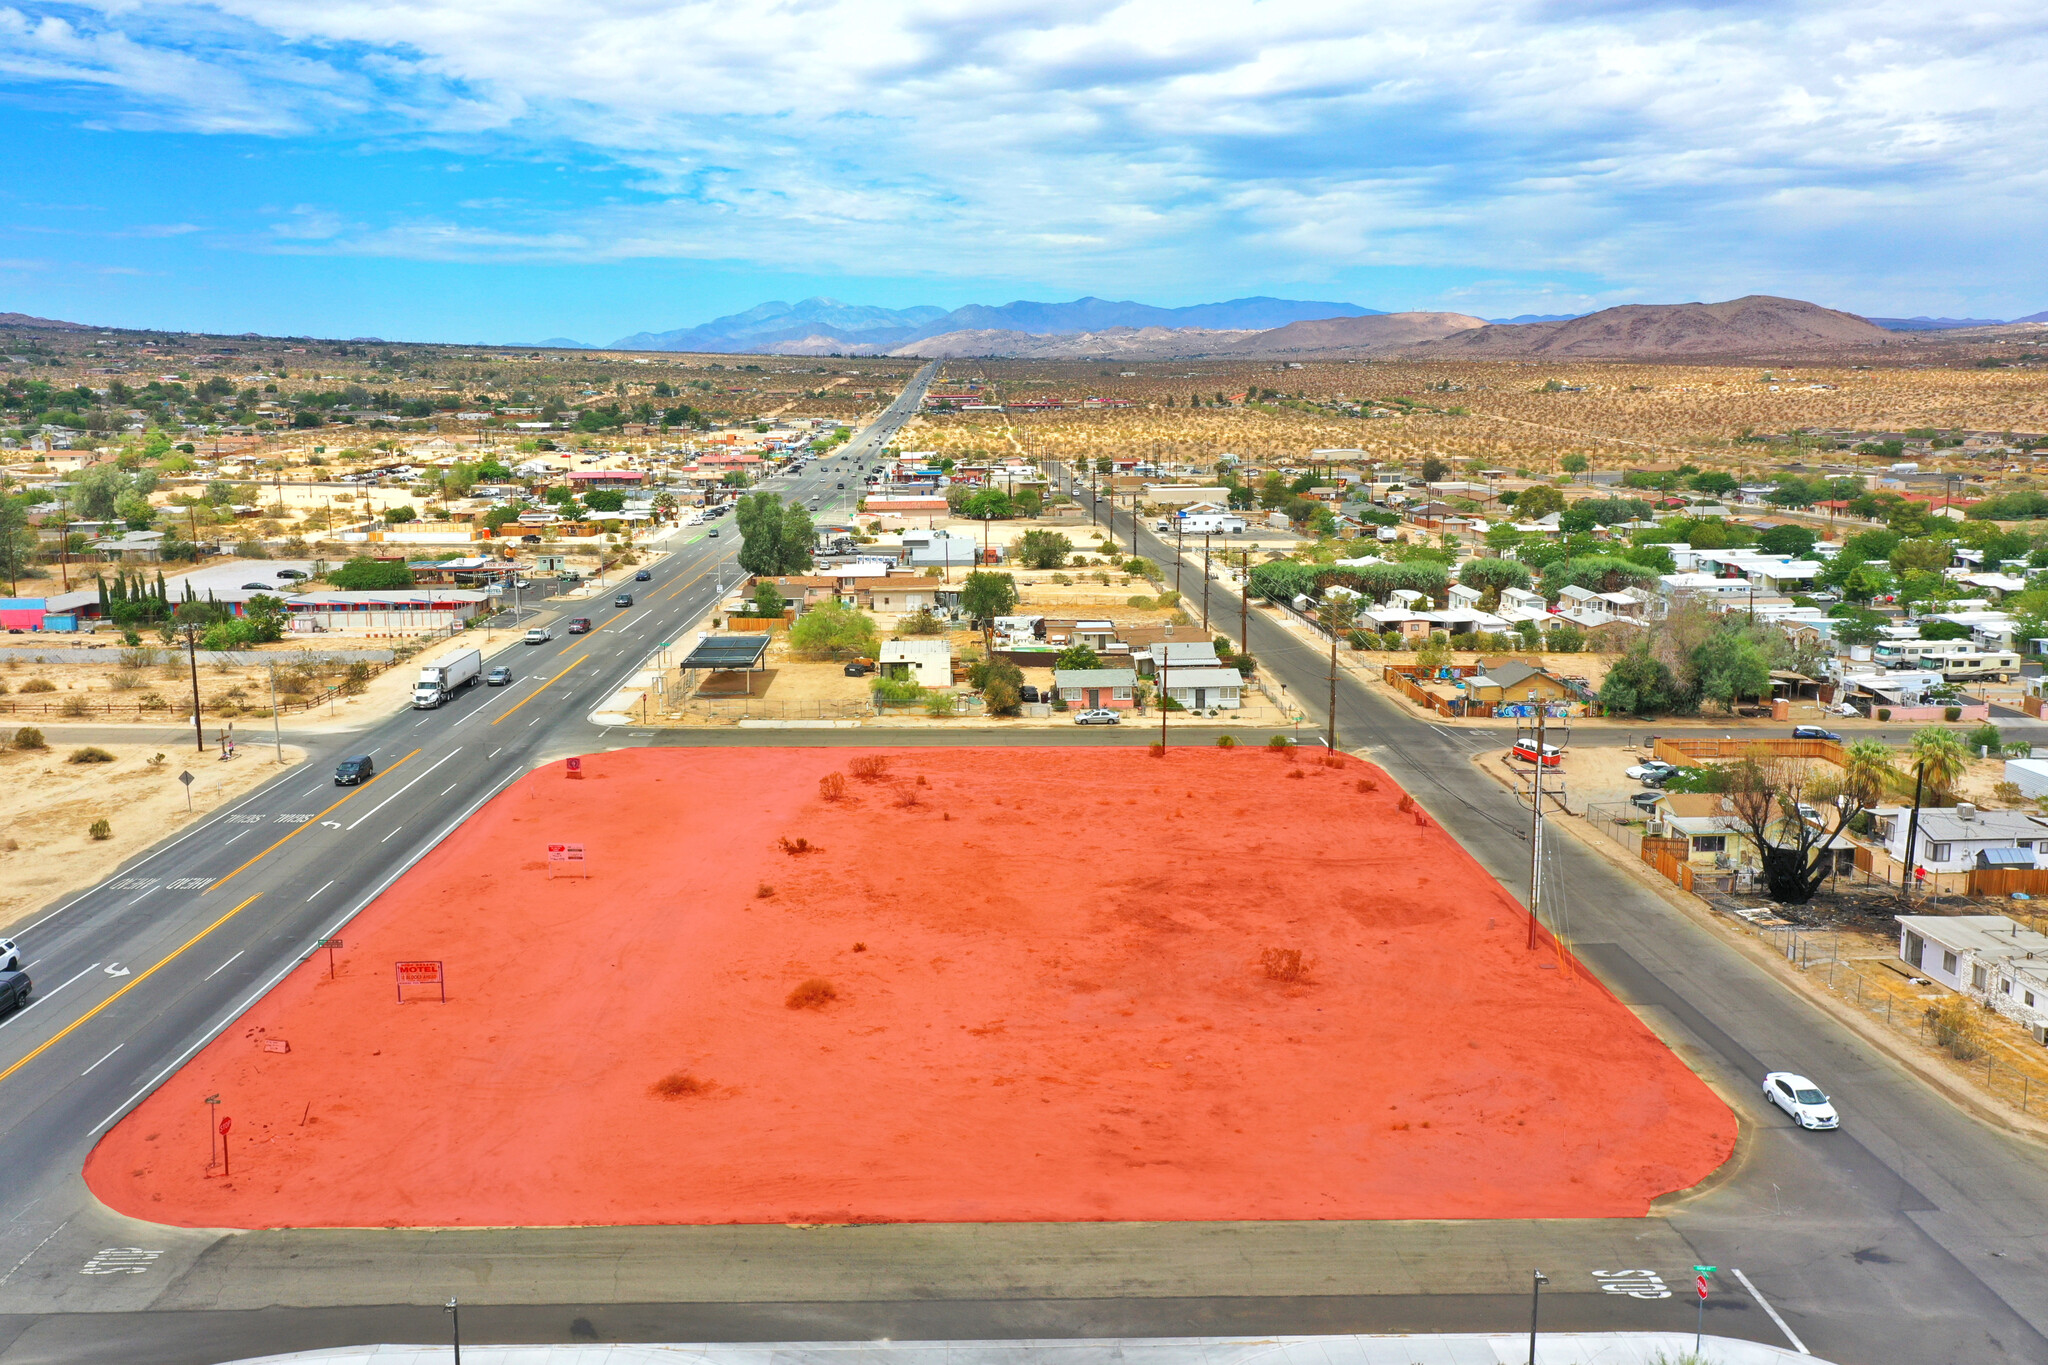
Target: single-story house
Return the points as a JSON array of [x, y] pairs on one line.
[[1962, 837], [1204, 689], [1989, 958], [1095, 688], [1179, 654], [1511, 680], [1707, 821], [925, 661]]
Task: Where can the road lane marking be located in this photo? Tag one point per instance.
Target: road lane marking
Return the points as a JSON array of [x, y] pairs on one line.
[[301, 829], [406, 788], [492, 754], [394, 830], [538, 690], [322, 887], [1765, 1304], [449, 788], [47, 994], [231, 838], [222, 967], [161, 963], [95, 1066]]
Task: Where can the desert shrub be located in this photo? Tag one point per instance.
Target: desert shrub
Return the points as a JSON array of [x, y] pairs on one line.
[[2008, 793], [100, 829], [1956, 1028], [762, 891], [1366, 784], [1407, 802], [90, 754], [1330, 761], [893, 689], [679, 1085], [1951, 714], [293, 683], [1295, 774], [906, 798], [355, 679], [832, 786], [869, 767], [796, 848], [1141, 602], [3, 687], [814, 994], [1277, 742], [75, 705], [1284, 964], [939, 704], [123, 680], [1884, 713], [155, 760], [1157, 749], [39, 685], [920, 622], [1225, 742], [28, 737], [1169, 598], [153, 702]]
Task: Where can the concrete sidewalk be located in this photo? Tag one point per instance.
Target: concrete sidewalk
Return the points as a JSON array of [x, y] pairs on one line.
[[1589, 1348]]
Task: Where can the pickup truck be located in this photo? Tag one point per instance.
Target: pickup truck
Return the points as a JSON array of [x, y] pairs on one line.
[[539, 635]]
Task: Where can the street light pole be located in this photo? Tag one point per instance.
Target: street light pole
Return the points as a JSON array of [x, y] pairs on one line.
[[454, 1311], [1537, 1280]]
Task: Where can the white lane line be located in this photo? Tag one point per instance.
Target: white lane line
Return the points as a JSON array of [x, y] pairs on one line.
[[533, 721], [1765, 1304], [23, 1012], [450, 787], [403, 790], [89, 1070], [492, 754], [138, 900], [33, 1250], [231, 838], [222, 967], [322, 887], [388, 836]]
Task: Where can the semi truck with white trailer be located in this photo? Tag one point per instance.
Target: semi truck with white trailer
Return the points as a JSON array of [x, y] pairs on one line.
[[437, 682]]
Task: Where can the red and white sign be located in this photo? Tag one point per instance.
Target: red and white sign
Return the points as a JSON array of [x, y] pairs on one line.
[[575, 767], [1701, 1282], [568, 859], [419, 973], [226, 1124]]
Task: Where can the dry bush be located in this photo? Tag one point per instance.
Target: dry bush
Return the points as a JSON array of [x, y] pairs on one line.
[[28, 737], [1331, 761], [814, 994], [679, 1085], [796, 848], [1295, 773], [1957, 1028], [906, 798], [869, 767], [1158, 750], [90, 754], [1366, 784], [762, 891], [1277, 743], [124, 680], [860, 947], [100, 829], [832, 786], [1407, 802], [39, 685], [75, 705], [1284, 964]]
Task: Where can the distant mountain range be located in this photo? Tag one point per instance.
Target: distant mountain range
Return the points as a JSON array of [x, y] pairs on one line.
[[820, 326], [1951, 324]]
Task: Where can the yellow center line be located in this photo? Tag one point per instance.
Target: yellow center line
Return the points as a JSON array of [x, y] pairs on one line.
[[361, 787], [538, 690], [685, 588], [164, 962]]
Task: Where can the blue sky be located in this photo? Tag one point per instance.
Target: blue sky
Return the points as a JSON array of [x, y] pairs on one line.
[[469, 171]]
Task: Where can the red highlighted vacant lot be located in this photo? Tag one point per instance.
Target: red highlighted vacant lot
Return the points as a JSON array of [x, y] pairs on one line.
[[989, 984]]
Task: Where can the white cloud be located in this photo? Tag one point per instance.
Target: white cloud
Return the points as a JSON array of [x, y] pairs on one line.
[[1669, 148]]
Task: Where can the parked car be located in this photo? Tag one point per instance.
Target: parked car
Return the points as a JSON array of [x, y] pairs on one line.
[[1029, 692], [1525, 750], [1098, 716], [1806, 1102], [579, 625], [498, 677], [293, 574], [1814, 732], [538, 635], [1655, 767], [353, 772], [856, 669], [1646, 801], [14, 991], [644, 576], [10, 955]]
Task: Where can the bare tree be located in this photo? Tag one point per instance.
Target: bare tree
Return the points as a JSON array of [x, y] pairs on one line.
[[1793, 810]]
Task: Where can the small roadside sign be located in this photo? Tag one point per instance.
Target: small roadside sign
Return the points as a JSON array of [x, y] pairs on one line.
[[225, 1125], [186, 778]]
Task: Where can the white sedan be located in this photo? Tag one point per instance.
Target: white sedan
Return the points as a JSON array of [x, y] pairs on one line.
[[1656, 767], [1098, 716], [10, 956], [1806, 1102]]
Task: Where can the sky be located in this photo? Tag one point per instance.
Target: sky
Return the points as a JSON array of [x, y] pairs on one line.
[[456, 170]]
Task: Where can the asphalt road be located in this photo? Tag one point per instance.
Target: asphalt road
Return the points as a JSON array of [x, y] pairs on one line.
[[1913, 1234]]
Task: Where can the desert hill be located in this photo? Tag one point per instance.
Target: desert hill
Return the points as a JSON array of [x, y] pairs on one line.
[[1757, 325]]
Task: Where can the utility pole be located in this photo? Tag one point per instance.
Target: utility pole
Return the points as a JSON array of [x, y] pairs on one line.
[[1536, 846], [1538, 1280], [192, 657], [1331, 741], [276, 734], [1912, 835], [1205, 582], [64, 539], [1244, 605], [1163, 666], [1180, 544]]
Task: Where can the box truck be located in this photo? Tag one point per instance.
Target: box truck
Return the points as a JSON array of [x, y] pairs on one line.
[[438, 682]]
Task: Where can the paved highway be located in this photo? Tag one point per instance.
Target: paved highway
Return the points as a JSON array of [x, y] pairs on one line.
[[1914, 1234]]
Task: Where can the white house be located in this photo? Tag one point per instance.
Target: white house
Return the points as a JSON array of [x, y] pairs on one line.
[[1962, 837], [928, 662], [1205, 689], [1989, 958]]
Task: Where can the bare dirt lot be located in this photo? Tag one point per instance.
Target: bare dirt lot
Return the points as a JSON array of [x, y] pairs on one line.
[[846, 986]]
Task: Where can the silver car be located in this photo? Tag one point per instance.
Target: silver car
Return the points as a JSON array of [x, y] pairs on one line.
[[1098, 716]]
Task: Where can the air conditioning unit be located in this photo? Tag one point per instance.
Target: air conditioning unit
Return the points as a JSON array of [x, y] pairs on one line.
[[2040, 1032]]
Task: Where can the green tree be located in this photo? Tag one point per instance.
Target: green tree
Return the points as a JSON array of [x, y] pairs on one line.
[[365, 574], [985, 595], [604, 500], [1043, 549], [778, 539], [1494, 576], [1533, 504], [134, 510], [1937, 753], [1574, 464], [833, 630], [1077, 656], [1786, 540], [1927, 554], [989, 504], [1639, 684], [1731, 668], [768, 599], [399, 514], [17, 542], [96, 491], [1713, 483], [266, 616]]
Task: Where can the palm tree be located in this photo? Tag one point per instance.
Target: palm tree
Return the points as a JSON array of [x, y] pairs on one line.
[[1868, 772], [1938, 753]]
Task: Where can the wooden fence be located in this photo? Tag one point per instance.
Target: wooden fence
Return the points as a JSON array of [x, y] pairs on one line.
[[2004, 881], [1404, 683], [1689, 751], [1668, 857]]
